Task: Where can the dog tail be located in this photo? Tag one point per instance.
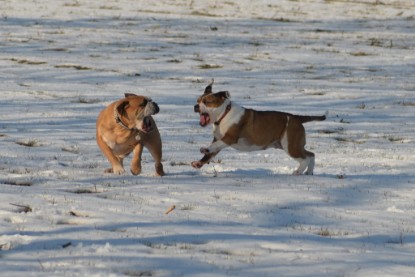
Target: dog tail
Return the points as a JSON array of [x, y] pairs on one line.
[[307, 118]]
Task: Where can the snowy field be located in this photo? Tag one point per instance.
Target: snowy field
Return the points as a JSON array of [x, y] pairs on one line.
[[244, 214]]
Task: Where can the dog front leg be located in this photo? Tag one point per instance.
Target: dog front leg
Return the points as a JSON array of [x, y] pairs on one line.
[[204, 160], [136, 160], [215, 147], [155, 149], [116, 163], [209, 153]]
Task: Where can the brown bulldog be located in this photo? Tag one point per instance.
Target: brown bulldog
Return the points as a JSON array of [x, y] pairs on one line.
[[126, 126], [250, 130]]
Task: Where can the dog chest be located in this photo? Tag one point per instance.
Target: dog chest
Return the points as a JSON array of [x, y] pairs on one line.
[[234, 117], [123, 148]]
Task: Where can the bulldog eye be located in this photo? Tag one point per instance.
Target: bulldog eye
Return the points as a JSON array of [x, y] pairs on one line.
[[144, 103]]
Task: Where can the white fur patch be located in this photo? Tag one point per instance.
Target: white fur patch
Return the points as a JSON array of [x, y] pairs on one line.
[[217, 146], [110, 143], [150, 109], [243, 145], [233, 117], [284, 138], [284, 141], [303, 164]]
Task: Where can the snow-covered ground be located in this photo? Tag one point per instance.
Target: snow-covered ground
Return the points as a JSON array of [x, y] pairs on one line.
[[62, 62]]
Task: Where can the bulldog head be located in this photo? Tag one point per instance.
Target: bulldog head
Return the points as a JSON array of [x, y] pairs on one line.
[[135, 112], [211, 106]]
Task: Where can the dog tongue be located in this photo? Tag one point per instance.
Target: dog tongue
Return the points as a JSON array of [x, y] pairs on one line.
[[204, 119]]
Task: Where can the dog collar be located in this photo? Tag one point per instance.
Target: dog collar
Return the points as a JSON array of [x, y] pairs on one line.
[[228, 108], [119, 121]]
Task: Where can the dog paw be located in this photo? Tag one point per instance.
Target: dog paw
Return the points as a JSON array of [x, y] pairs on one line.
[[136, 171], [197, 164], [204, 150], [159, 170], [297, 173], [118, 170]]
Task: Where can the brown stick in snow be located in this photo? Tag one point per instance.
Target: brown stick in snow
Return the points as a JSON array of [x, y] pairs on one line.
[[169, 210]]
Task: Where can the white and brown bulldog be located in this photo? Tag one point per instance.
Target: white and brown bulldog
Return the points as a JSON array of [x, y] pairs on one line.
[[127, 126], [250, 130]]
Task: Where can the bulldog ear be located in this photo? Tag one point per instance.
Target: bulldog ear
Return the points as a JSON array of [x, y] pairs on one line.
[[122, 108], [224, 94], [129, 94], [208, 89]]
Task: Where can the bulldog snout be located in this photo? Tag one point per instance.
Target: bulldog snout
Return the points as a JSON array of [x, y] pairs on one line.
[[196, 108], [156, 108]]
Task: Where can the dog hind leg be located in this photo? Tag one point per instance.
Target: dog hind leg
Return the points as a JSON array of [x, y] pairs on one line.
[[305, 163], [293, 142]]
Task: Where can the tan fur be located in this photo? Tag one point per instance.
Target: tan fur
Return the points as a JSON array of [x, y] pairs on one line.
[[116, 142]]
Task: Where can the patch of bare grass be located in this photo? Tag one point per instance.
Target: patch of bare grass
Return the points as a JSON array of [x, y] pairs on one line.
[[331, 131], [56, 49], [199, 13], [349, 140], [22, 208], [19, 183], [84, 191], [137, 273], [73, 4], [74, 66], [278, 19], [325, 232], [395, 139], [25, 61], [210, 66], [174, 61], [178, 163], [113, 8], [360, 54]]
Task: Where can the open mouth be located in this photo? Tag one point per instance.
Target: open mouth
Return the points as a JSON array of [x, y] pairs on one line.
[[147, 126], [204, 119]]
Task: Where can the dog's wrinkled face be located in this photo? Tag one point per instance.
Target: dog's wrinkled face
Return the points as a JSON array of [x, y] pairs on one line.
[[211, 105], [137, 109]]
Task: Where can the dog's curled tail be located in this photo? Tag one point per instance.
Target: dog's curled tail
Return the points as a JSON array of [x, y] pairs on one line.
[[307, 118]]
